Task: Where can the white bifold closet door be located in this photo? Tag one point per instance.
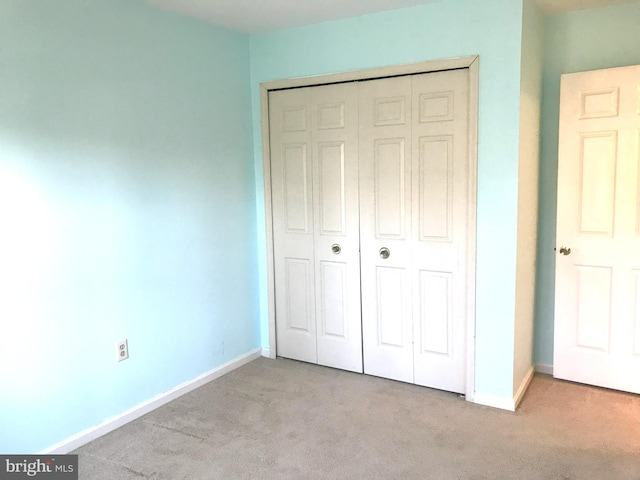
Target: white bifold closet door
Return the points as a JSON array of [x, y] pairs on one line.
[[414, 202], [370, 203], [314, 167]]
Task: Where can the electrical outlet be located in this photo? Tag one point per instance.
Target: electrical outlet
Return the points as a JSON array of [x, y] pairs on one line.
[[122, 350]]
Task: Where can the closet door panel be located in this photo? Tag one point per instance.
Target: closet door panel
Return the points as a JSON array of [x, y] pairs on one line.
[[293, 223], [370, 195], [439, 239], [385, 227], [336, 239]]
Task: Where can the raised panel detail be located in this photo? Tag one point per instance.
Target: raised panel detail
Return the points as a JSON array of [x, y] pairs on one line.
[[390, 288], [294, 176], [435, 311], [436, 107], [389, 184], [599, 103], [598, 158], [330, 116], [593, 307], [333, 281], [332, 188], [389, 111], [298, 275], [294, 119], [436, 188]]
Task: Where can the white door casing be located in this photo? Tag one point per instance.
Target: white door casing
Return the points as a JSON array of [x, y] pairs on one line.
[[469, 63], [597, 297]]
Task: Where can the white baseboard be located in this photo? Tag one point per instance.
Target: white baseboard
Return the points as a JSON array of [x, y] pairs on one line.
[[111, 424], [266, 352], [505, 403], [526, 381], [544, 368]]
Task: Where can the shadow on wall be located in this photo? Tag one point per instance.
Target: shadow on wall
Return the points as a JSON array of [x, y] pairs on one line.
[[127, 203]]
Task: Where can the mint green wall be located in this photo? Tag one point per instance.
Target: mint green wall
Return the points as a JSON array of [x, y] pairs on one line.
[[445, 29], [579, 41], [127, 187], [127, 209]]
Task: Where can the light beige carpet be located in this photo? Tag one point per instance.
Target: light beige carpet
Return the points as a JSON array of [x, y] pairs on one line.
[[280, 419]]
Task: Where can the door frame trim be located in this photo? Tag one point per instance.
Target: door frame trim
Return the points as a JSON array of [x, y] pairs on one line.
[[472, 63]]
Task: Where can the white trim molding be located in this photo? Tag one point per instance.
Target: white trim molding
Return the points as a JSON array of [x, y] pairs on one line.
[[526, 381], [506, 403], [503, 403], [266, 352], [143, 408]]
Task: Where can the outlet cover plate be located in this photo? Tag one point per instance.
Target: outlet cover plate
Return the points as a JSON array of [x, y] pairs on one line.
[[122, 350]]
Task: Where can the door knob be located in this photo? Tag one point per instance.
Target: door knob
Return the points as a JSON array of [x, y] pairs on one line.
[[565, 250], [384, 253], [335, 248]]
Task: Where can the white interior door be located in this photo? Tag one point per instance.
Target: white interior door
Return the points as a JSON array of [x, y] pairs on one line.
[[313, 139], [597, 306], [414, 203]]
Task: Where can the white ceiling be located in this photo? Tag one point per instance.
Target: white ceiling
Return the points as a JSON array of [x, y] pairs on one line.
[[256, 16]]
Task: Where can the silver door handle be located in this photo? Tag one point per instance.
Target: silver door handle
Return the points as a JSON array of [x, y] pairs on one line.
[[335, 248], [384, 253]]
